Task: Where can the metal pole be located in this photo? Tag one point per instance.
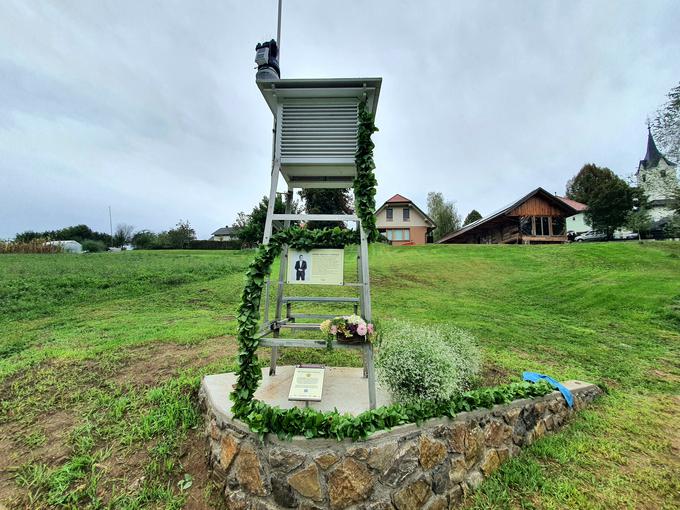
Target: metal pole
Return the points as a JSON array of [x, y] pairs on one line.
[[111, 225], [278, 33]]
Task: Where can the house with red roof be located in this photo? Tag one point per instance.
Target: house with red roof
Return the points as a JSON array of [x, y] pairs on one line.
[[576, 223], [403, 222]]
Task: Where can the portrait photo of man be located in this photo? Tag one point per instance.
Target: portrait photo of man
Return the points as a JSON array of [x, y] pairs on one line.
[[300, 268]]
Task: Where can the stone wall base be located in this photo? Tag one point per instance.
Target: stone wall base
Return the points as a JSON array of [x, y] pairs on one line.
[[433, 466]]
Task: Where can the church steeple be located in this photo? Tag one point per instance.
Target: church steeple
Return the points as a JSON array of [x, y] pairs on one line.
[[653, 155]]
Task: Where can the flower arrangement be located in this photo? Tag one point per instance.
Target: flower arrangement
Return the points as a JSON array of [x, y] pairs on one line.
[[347, 328]]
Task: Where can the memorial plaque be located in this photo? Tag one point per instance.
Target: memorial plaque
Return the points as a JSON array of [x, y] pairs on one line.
[[316, 267], [307, 384]]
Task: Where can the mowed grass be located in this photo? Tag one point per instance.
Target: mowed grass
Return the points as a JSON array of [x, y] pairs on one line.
[[101, 356]]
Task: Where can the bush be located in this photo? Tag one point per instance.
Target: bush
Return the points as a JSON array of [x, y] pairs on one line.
[[433, 363], [93, 246]]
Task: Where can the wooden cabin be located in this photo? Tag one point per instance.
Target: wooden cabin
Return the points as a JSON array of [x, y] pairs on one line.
[[537, 218]]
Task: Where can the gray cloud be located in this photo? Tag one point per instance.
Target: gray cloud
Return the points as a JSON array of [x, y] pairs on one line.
[[151, 107]]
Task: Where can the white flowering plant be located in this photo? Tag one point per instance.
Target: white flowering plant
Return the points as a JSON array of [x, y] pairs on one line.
[[345, 328], [426, 363]]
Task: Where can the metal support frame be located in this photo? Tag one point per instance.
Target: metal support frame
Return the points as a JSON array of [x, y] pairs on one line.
[[283, 268], [363, 302]]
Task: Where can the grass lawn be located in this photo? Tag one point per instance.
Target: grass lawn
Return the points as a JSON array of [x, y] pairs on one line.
[[101, 356]]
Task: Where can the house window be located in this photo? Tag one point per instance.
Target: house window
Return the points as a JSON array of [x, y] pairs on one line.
[[663, 173], [644, 178], [407, 235], [525, 225], [542, 226], [558, 226], [390, 213], [407, 213], [398, 235], [388, 234]]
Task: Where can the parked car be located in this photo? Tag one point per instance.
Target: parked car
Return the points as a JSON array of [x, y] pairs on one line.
[[591, 235], [626, 236]]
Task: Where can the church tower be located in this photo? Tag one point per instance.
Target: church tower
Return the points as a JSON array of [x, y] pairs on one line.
[[657, 177]]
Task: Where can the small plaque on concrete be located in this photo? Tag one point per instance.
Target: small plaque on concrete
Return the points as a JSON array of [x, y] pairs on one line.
[[307, 384]]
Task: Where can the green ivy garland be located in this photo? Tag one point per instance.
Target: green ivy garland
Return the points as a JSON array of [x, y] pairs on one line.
[[263, 418], [365, 181], [248, 318]]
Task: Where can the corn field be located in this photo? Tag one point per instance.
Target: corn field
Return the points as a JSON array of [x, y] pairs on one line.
[[34, 246]]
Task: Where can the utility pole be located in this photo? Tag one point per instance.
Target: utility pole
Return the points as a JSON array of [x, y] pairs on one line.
[[111, 225]]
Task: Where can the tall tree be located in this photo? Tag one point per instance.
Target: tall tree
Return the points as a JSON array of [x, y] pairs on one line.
[[443, 213], [666, 125], [639, 221], [608, 197], [472, 217], [179, 236], [123, 234], [327, 201]]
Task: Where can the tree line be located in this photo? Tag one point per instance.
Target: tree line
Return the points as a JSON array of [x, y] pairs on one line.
[[124, 234]]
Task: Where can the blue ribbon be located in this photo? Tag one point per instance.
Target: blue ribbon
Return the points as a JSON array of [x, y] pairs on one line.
[[535, 377]]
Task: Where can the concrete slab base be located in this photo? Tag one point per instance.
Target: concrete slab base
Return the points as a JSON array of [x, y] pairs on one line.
[[344, 389]]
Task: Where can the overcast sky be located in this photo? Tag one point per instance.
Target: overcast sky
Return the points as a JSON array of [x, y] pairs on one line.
[[152, 107]]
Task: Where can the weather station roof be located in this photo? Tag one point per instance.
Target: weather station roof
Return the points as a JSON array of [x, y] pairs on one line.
[[274, 91]]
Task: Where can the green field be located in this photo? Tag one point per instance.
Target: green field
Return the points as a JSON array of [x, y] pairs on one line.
[[101, 356]]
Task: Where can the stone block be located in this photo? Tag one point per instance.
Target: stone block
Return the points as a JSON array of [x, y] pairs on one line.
[[441, 479], [432, 452], [236, 500], [475, 446], [283, 493], [539, 431], [458, 470], [549, 422], [307, 482], [214, 431], [326, 459], [349, 483], [248, 470], [383, 504], [511, 415], [436, 503], [497, 434], [413, 496], [490, 462], [228, 449], [404, 463], [458, 437], [284, 459], [358, 452], [456, 495], [503, 454], [381, 457], [474, 479]]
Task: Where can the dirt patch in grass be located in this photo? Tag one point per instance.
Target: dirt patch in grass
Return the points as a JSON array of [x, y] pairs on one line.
[[494, 375], [32, 435], [202, 495], [152, 364], [44, 441]]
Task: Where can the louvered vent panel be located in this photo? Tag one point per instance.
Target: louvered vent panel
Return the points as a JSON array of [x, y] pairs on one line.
[[319, 131]]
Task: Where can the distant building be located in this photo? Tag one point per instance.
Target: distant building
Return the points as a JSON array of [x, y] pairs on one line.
[[224, 234], [537, 218], [403, 222], [67, 246], [657, 177], [576, 223]]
